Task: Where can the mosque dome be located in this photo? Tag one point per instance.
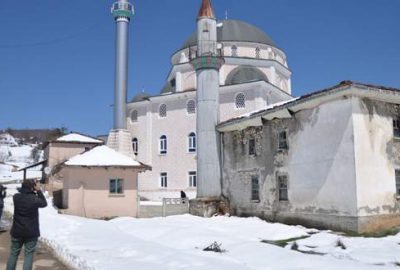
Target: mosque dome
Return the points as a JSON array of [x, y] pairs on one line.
[[140, 97], [245, 74], [235, 30]]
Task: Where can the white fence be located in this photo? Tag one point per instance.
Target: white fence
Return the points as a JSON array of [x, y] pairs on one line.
[[168, 207]]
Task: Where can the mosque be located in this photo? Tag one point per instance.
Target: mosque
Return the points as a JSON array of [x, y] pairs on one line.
[[255, 74], [226, 130]]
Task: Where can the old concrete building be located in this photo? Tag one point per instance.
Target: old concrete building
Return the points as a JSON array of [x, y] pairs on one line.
[[328, 159]]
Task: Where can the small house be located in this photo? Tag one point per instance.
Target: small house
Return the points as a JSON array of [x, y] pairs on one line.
[[101, 183]]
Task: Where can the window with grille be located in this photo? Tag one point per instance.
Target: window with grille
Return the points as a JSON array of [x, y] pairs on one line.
[[398, 182], [252, 147], [116, 186], [255, 188], [163, 145], [396, 127], [283, 188], [192, 142], [164, 180], [283, 143], [192, 179], [240, 101], [134, 116], [258, 53], [191, 107], [162, 111], [135, 145], [234, 51]]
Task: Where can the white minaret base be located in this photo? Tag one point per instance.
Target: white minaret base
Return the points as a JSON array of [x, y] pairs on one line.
[[121, 141]]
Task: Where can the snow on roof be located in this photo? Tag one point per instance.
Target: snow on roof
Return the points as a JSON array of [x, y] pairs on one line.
[[75, 137], [270, 106], [102, 156]]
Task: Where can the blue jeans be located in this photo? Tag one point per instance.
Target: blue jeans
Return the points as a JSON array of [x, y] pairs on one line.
[[16, 246]]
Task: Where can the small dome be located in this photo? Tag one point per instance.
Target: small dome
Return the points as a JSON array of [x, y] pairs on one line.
[[140, 97], [244, 74], [234, 30]]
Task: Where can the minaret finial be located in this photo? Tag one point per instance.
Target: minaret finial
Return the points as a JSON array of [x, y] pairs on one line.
[[206, 10]]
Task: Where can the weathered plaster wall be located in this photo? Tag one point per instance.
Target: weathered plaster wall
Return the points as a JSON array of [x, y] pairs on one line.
[[377, 158], [319, 165]]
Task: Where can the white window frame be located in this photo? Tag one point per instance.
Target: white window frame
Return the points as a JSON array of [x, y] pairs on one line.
[[192, 179], [192, 143], [164, 180], [236, 101], [116, 193], [163, 145]]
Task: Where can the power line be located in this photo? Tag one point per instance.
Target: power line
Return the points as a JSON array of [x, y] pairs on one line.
[[52, 41]]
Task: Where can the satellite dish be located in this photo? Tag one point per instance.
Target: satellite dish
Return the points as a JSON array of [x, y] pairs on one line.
[[47, 170]]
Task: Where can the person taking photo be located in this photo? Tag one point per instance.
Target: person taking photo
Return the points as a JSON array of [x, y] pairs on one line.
[[3, 194], [25, 228]]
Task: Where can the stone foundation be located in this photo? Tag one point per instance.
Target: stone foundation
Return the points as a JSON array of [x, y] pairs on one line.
[[367, 224], [121, 141], [205, 207]]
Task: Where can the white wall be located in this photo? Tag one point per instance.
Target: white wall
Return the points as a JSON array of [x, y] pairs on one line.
[[375, 164], [321, 160]]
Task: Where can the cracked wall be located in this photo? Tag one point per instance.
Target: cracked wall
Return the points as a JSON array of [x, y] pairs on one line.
[[319, 164]]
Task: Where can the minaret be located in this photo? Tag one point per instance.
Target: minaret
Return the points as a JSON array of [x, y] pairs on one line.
[[119, 138], [207, 64]]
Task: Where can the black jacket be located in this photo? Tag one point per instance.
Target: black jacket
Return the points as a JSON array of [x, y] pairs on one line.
[[26, 214], [3, 194]]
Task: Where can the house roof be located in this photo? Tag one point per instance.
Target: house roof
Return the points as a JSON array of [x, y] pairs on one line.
[[102, 156], [78, 138], [286, 108]]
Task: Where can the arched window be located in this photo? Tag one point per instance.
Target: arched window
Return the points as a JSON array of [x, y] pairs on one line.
[[258, 53], [240, 101], [163, 145], [162, 112], [192, 144], [134, 116], [234, 51], [135, 145], [191, 107]]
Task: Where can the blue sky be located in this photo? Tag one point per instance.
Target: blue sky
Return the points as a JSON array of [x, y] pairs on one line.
[[57, 56]]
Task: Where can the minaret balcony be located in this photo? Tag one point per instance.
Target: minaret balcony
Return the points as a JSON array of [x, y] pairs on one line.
[[122, 9]]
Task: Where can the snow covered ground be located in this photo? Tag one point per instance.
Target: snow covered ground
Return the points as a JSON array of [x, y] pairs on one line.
[[177, 243], [13, 158]]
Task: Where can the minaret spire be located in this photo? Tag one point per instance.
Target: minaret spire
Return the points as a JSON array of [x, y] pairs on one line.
[[206, 10]]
